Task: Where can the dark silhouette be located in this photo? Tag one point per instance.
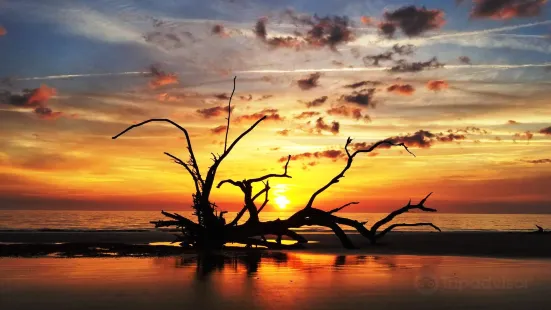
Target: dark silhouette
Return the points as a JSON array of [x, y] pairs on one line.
[[211, 232]]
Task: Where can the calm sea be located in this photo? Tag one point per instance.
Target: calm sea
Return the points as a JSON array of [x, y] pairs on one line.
[[139, 220]]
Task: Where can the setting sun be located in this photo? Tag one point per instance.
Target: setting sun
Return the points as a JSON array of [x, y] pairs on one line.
[[281, 202]]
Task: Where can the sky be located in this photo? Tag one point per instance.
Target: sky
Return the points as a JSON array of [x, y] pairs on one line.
[[464, 84]]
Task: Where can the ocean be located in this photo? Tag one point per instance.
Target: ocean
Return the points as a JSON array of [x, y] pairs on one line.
[[14, 220]]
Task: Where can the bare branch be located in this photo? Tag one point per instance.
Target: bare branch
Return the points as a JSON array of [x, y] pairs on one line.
[[391, 227], [232, 182], [192, 155], [349, 164], [267, 189], [404, 209], [272, 175], [344, 206], [229, 114], [181, 162]]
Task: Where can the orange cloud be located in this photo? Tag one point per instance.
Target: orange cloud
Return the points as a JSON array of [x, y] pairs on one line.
[[218, 130], [507, 9], [437, 85], [271, 115], [366, 20], [161, 78], [355, 113], [401, 89], [40, 95], [214, 111], [3, 31], [546, 131]]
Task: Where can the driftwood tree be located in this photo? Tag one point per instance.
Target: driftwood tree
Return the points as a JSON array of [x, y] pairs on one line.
[[212, 232]]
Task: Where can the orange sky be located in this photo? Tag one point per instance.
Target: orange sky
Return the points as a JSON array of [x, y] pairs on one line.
[[479, 128]]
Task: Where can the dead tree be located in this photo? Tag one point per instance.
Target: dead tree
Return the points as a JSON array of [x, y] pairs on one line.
[[211, 232]]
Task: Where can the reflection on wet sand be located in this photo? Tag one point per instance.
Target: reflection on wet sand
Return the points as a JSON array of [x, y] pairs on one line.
[[270, 280]]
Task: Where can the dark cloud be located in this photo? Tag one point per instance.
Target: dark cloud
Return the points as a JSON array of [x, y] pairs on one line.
[[309, 82], [219, 30], [260, 28], [331, 154], [437, 85], [387, 29], [47, 113], [363, 97], [306, 114], [343, 110], [403, 50], [420, 139], [539, 161], [412, 21], [218, 130], [401, 89], [316, 102], [374, 60], [271, 115], [362, 84], [513, 122], [214, 111], [465, 60], [321, 126], [169, 35], [507, 9], [404, 66], [546, 131]]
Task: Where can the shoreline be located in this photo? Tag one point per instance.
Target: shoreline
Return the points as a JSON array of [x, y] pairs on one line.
[[124, 244]]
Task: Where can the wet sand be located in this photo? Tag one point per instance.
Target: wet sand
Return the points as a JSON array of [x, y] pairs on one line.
[[275, 280], [493, 244]]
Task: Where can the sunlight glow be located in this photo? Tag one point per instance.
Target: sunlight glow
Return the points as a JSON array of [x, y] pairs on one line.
[[281, 202]]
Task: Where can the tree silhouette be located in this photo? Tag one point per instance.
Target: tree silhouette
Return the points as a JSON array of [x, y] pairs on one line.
[[211, 232]]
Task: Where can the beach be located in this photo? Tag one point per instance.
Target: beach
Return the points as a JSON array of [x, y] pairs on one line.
[[491, 244]]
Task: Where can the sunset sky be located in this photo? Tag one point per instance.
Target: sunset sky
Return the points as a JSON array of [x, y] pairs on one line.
[[76, 73]]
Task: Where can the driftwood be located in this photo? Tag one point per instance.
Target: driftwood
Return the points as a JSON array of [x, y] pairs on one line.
[[212, 232]]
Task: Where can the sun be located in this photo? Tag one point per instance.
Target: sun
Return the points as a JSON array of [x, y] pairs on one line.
[[281, 202]]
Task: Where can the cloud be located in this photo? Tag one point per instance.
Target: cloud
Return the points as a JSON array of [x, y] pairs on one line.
[[264, 97], [362, 84], [328, 31], [306, 114], [539, 161], [271, 115], [403, 50], [47, 113], [161, 78], [420, 139], [218, 130], [309, 82], [219, 30], [470, 130], [3, 31], [387, 29], [322, 126], [374, 60], [246, 98], [40, 95], [283, 132], [507, 9], [412, 21], [363, 97], [331, 154], [404, 66], [343, 110], [437, 85], [527, 135], [465, 60], [401, 89], [214, 111], [316, 102], [222, 96], [546, 131], [513, 122]]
